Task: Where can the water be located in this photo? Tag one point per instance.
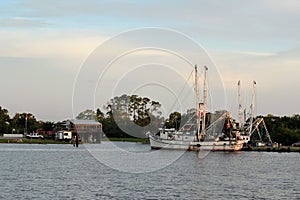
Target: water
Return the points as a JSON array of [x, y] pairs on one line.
[[64, 172]]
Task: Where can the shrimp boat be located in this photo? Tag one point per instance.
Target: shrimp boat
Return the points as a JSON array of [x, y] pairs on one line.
[[194, 135]]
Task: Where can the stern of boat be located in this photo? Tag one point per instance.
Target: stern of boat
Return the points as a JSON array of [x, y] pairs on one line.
[[239, 145]]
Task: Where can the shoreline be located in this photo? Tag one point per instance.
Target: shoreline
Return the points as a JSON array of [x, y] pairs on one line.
[[282, 149], [50, 141], [30, 141]]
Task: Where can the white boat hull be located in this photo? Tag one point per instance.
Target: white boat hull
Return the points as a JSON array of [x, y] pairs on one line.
[[158, 143]]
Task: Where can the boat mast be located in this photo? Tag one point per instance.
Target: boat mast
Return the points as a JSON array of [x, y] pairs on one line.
[[204, 103], [252, 106], [197, 100], [240, 106]]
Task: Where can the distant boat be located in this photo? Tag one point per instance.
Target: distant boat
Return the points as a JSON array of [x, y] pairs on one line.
[[195, 137], [249, 125]]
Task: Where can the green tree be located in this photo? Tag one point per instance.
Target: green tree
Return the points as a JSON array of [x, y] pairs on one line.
[[47, 126], [87, 115], [189, 116], [100, 115], [130, 115], [4, 120], [174, 120], [284, 129], [25, 122]]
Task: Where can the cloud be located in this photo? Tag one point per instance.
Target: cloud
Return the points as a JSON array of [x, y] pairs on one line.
[[251, 65], [80, 7], [21, 23], [48, 43], [255, 24], [289, 6], [255, 39], [38, 68], [276, 74]]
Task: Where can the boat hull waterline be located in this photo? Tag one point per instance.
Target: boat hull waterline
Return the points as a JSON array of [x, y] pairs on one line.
[[159, 143]]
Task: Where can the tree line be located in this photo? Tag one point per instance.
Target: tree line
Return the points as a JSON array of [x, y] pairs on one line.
[[21, 122], [284, 130], [132, 116]]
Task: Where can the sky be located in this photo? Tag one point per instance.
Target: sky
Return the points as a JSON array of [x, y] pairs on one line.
[[48, 49]]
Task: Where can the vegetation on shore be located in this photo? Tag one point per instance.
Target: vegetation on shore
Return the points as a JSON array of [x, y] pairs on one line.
[[31, 141], [280, 149], [49, 141], [140, 140], [284, 130], [137, 115]]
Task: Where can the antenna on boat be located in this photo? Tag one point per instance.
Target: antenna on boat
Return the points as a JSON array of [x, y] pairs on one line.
[[204, 103], [252, 106], [197, 100], [240, 112]]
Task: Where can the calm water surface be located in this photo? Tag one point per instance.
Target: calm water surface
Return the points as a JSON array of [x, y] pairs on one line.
[[64, 172]]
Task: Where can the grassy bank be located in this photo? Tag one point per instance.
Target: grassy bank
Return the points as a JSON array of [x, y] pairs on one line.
[[47, 141], [31, 141]]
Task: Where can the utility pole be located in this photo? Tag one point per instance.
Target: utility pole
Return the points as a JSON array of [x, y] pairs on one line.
[[25, 131]]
